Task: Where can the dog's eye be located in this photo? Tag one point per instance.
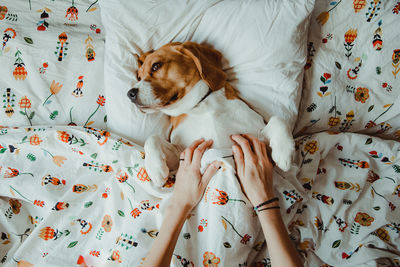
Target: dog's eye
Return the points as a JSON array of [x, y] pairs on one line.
[[156, 66], [174, 97]]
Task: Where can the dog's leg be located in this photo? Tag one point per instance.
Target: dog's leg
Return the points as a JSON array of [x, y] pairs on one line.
[[160, 157], [281, 142]]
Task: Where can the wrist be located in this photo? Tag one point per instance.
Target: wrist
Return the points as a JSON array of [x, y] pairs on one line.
[[179, 206]]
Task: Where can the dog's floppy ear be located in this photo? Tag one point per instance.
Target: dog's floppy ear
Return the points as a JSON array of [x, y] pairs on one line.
[[208, 63], [140, 59]]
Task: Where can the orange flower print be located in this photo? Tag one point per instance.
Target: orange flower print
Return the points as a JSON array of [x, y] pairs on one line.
[[223, 198], [210, 260], [107, 223], [324, 16], [100, 101], [142, 175], [48, 233], [349, 38], [15, 205], [72, 12], [115, 256], [122, 178], [361, 95], [35, 140], [63, 136], [364, 219], [54, 89], [25, 103], [59, 160], [135, 213]]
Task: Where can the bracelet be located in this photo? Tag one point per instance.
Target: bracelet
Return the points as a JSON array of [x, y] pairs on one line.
[[268, 208], [265, 203]]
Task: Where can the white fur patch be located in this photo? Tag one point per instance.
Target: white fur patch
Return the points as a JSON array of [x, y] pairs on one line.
[[145, 96], [190, 100]]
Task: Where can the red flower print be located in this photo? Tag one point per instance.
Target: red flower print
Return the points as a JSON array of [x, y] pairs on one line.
[[246, 238], [135, 213], [101, 100]]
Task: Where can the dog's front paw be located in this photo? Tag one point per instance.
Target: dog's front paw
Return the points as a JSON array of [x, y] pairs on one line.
[[282, 153], [281, 142], [155, 163]]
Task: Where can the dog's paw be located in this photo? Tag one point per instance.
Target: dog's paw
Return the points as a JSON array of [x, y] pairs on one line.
[[282, 153], [155, 163], [281, 142]]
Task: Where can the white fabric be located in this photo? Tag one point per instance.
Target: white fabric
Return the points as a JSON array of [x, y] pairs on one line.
[[111, 220], [40, 55], [333, 75], [264, 64]]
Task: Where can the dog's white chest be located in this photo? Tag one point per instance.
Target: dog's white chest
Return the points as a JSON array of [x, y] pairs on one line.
[[217, 118]]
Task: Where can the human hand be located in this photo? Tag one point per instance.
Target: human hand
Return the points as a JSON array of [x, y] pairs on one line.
[[190, 184], [254, 168]]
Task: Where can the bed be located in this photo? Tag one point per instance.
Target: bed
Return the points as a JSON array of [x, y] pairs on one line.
[[73, 187]]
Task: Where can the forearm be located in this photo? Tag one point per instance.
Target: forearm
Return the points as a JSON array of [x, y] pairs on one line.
[[280, 247], [163, 247]]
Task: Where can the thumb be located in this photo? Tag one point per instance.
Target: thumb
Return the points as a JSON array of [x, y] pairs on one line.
[[210, 171]]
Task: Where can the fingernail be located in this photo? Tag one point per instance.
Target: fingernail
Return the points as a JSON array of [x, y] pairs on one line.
[[234, 148]]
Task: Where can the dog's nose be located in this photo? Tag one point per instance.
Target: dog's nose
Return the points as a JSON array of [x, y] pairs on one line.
[[132, 94]]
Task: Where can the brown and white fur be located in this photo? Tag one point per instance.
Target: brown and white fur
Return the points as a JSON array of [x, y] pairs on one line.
[[186, 82]]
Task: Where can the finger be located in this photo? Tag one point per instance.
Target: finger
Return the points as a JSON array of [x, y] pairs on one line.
[[181, 157], [238, 158], [256, 145], [199, 151], [245, 146], [264, 149], [190, 149], [210, 172]]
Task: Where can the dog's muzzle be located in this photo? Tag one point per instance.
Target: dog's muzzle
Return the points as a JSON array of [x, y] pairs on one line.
[[132, 94]]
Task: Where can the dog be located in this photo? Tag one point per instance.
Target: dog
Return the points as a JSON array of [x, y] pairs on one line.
[[186, 81]]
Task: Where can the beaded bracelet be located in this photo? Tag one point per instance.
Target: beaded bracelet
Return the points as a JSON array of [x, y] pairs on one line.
[[266, 203]]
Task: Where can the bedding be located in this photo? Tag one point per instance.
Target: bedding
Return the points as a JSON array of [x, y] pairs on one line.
[[269, 83], [51, 63], [339, 201], [352, 72], [76, 195]]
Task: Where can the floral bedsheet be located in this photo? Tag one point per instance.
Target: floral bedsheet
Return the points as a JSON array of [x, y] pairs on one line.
[[51, 63], [78, 196]]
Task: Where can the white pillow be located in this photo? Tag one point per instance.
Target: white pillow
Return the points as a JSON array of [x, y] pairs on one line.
[[263, 43]]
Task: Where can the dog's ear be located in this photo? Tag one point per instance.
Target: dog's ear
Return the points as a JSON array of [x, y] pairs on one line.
[[140, 59], [208, 63]]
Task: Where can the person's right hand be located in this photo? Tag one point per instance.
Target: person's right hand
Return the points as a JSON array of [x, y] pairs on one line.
[[253, 167]]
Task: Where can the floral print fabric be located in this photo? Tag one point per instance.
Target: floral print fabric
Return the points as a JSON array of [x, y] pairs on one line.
[[352, 73], [51, 70], [72, 195]]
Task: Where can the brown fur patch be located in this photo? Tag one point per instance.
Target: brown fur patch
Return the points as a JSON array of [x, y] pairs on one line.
[[177, 72], [230, 92], [175, 121]]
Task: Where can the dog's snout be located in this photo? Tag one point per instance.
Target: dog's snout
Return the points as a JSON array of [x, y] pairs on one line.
[[132, 94]]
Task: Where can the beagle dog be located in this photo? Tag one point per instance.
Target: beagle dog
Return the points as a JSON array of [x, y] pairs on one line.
[[186, 82]]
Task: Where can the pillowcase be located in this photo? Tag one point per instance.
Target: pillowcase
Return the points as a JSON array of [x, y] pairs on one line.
[[352, 75], [265, 65]]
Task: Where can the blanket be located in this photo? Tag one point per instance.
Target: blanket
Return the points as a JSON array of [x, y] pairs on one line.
[[78, 196]]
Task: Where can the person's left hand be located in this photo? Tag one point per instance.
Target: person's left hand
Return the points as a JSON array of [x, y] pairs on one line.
[[190, 184]]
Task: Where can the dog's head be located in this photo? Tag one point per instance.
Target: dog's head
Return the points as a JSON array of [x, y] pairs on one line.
[[175, 76]]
